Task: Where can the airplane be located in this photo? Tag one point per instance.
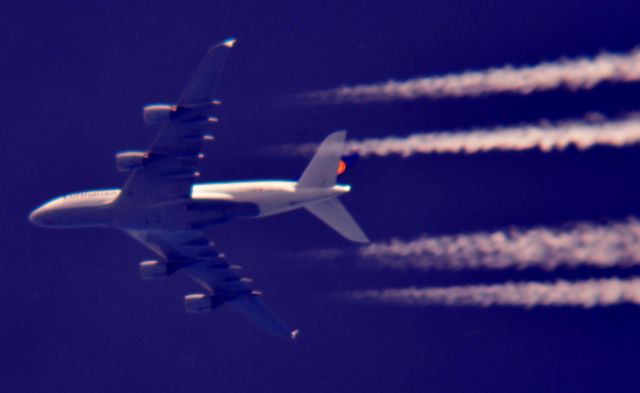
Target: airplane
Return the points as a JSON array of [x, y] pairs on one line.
[[161, 206]]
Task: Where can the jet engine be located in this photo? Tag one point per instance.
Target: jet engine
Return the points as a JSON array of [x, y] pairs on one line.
[[158, 114], [129, 160], [198, 303], [150, 270]]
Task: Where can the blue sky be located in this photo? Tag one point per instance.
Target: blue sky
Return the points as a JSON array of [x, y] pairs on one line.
[[77, 317]]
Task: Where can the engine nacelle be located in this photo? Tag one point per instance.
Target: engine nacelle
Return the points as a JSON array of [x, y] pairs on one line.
[[129, 160], [150, 270], [158, 114], [198, 303]]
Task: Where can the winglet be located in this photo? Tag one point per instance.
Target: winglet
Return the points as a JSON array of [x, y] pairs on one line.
[[229, 42]]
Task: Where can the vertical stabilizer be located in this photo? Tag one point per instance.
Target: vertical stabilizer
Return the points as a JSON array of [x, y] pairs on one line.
[[321, 171]]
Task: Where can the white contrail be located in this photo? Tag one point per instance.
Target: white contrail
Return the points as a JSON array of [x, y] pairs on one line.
[[616, 244], [586, 293], [545, 136], [575, 74]]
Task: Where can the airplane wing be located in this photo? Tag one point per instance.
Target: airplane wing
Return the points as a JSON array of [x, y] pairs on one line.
[[170, 164], [168, 173], [203, 85], [192, 253]]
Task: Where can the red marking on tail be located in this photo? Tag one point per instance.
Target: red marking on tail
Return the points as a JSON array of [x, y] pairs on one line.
[[342, 166]]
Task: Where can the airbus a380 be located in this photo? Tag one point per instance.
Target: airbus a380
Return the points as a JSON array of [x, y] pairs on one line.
[[160, 206]]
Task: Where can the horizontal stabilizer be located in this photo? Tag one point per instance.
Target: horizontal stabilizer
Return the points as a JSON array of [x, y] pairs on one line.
[[334, 214]]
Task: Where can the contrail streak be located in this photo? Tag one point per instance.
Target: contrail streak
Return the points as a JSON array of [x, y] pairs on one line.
[[574, 74], [586, 293], [545, 136], [616, 244]]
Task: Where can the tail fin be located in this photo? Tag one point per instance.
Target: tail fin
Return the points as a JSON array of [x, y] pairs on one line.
[[321, 171], [334, 214]]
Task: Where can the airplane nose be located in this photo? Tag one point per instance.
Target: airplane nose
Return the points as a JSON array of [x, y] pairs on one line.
[[36, 217]]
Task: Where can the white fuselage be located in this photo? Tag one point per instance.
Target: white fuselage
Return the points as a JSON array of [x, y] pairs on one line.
[[271, 196], [210, 204]]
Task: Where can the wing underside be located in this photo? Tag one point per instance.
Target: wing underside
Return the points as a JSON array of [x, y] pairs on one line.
[[172, 160], [193, 254], [168, 173]]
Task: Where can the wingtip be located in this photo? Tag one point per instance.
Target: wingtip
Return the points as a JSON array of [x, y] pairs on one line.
[[229, 42]]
